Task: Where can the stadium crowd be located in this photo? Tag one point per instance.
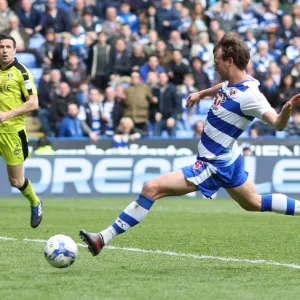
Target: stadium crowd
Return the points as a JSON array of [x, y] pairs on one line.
[[125, 68]]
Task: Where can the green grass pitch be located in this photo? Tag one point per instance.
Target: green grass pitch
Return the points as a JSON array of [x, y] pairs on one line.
[[182, 225]]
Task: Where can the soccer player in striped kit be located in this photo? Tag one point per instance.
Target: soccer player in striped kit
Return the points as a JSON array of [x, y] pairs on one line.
[[219, 164]]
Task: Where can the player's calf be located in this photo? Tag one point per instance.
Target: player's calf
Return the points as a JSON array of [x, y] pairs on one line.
[[280, 204]]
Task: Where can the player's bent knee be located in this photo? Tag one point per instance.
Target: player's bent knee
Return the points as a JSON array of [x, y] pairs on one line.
[[16, 182], [151, 189], [254, 205]]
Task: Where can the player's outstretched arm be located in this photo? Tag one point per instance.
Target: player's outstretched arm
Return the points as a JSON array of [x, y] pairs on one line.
[[195, 98], [279, 121], [30, 105]]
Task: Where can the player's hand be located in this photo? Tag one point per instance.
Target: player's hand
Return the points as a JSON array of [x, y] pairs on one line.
[[294, 101], [4, 116], [194, 98]]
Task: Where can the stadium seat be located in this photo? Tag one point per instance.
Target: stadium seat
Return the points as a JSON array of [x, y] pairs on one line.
[[28, 59], [36, 42], [37, 74]]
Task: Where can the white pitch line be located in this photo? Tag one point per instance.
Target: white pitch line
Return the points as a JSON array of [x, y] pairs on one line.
[[170, 253]]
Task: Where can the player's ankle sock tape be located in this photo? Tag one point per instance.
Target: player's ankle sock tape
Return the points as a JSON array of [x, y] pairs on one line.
[[24, 186]]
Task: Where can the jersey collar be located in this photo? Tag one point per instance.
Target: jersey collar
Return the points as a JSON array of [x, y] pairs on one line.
[[11, 65]]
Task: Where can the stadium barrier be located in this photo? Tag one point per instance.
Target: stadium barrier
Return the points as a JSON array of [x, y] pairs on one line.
[[96, 176]]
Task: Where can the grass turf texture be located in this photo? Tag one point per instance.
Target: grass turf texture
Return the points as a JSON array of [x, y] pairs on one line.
[[204, 227]]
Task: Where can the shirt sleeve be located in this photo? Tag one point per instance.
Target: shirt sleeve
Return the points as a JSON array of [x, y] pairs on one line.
[[255, 105], [27, 83]]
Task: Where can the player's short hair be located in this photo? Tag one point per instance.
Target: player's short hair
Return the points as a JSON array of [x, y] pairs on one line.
[[4, 36], [236, 49]]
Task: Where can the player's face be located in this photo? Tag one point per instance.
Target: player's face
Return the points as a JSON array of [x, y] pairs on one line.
[[221, 66], [7, 51]]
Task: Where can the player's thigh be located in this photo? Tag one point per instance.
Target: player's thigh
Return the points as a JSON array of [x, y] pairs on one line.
[[246, 196], [170, 184], [14, 147]]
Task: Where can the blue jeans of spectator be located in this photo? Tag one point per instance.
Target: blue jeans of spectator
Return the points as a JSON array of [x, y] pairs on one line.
[[44, 116], [160, 126]]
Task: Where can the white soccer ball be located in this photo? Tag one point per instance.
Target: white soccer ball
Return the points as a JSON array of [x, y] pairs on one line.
[[60, 251]]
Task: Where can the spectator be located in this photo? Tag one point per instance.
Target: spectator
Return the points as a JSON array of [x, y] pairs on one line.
[[274, 72], [120, 59], [46, 51], [126, 35], [202, 81], [293, 127], [138, 57], [151, 65], [143, 35], [259, 128], [191, 36], [153, 82], [55, 80], [214, 26], [45, 104], [287, 31], [186, 20], [269, 89], [226, 17], [198, 17], [177, 43], [150, 48], [293, 51], [70, 125], [270, 19], [90, 114], [55, 18], [151, 18], [138, 6], [296, 73], [285, 65], [76, 12], [60, 102], [88, 22], [83, 93], [99, 63], [19, 34], [30, 18], [137, 100], [5, 13], [125, 133], [127, 17], [198, 129], [167, 19], [118, 110], [177, 69], [247, 151], [287, 88], [169, 107], [73, 73], [108, 108], [77, 37], [61, 51], [111, 26], [251, 41]]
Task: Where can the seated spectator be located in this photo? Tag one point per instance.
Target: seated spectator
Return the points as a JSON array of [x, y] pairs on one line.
[[293, 127], [293, 51], [18, 33], [138, 6], [125, 133], [269, 20], [45, 103], [260, 128], [202, 81], [47, 49], [108, 108], [70, 125], [111, 26], [295, 72], [61, 51], [90, 114], [143, 34], [138, 57], [177, 43], [270, 91], [214, 26], [191, 36], [169, 107], [186, 20], [177, 69], [127, 36], [285, 65], [287, 31], [151, 65], [251, 41], [118, 110], [163, 54], [44, 147], [275, 72], [55, 18], [138, 97], [60, 102], [83, 92], [76, 12], [73, 73], [127, 17], [88, 22], [150, 47], [287, 89], [246, 148], [151, 18], [30, 18], [198, 17], [77, 36], [198, 129], [5, 13], [120, 59], [226, 18]]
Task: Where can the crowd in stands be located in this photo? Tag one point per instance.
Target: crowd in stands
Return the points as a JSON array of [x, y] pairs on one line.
[[106, 67]]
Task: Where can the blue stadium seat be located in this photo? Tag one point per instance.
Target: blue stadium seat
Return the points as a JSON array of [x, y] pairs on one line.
[[37, 74], [36, 42], [28, 59]]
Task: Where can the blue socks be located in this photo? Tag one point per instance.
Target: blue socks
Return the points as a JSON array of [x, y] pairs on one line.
[[281, 204]]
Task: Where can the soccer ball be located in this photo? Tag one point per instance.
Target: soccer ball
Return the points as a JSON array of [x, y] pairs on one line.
[[60, 251]]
